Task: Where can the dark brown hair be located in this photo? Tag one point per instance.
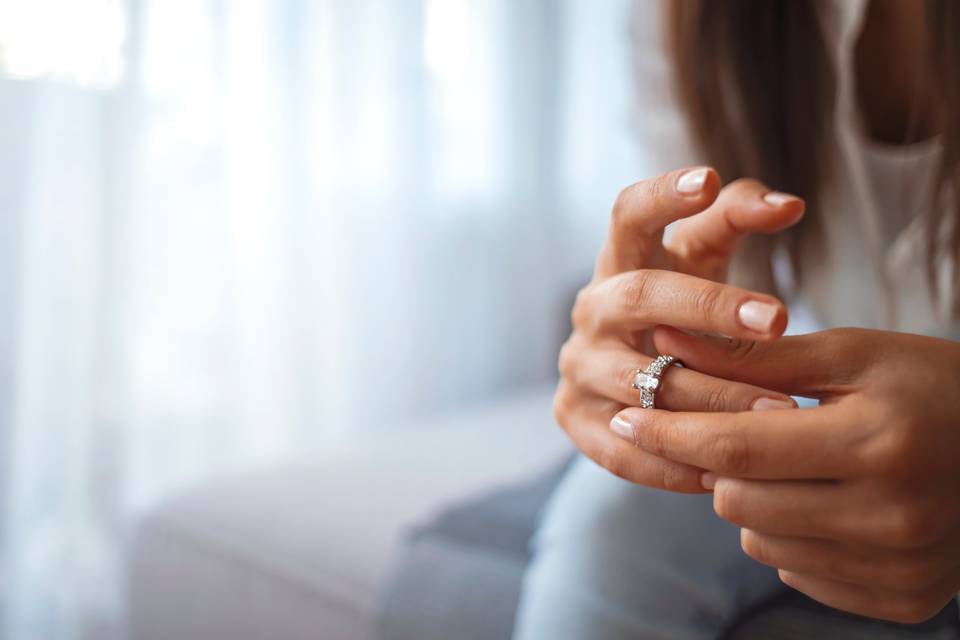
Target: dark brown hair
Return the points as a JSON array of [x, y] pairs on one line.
[[755, 81]]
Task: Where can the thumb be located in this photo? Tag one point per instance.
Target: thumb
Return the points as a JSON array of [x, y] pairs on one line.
[[703, 243]]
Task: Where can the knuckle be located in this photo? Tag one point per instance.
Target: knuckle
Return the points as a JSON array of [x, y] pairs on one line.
[[627, 206], [844, 350], [717, 398], [742, 186], [740, 349], [636, 290], [567, 360], [730, 454], [657, 187], [878, 453], [623, 204], [911, 526], [674, 478], [706, 302], [581, 312], [887, 451], [562, 404], [843, 340]]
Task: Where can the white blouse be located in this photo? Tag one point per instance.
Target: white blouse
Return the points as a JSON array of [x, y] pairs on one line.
[[876, 276], [876, 273]]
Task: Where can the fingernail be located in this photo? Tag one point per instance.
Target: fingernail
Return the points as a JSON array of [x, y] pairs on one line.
[[770, 404], [778, 199], [757, 315], [708, 480], [622, 428], [691, 182]]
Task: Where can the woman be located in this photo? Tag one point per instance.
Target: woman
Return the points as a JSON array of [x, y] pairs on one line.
[[856, 502]]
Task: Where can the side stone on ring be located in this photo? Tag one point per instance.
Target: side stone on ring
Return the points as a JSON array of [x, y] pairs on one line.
[[648, 381]]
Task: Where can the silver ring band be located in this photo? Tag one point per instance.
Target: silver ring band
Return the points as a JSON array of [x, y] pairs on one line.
[[647, 381]]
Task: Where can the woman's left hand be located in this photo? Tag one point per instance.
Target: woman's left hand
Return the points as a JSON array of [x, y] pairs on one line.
[[857, 501]]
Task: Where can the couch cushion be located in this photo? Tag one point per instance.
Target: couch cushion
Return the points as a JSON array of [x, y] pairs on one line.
[[301, 550], [460, 576]]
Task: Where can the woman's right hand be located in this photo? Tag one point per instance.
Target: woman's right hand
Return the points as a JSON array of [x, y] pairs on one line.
[[641, 281]]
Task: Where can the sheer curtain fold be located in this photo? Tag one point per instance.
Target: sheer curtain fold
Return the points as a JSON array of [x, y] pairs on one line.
[[286, 222]]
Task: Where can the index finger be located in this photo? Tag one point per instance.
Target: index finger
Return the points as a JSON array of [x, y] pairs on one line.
[[643, 209], [789, 444]]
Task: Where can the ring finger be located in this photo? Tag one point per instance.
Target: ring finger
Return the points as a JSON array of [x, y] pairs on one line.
[[611, 371]]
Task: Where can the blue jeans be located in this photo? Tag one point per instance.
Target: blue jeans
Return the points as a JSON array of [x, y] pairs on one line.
[[617, 560]]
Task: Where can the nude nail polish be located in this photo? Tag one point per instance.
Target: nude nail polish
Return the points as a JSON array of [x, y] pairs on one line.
[[621, 427], [778, 199], [757, 315], [691, 182], [708, 480], [771, 404]]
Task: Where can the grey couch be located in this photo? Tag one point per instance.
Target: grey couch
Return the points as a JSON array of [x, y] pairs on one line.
[[417, 533]]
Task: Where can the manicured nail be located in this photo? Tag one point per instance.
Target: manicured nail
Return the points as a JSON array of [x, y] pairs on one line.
[[770, 404], [691, 183], [757, 315], [708, 480], [778, 199], [622, 428]]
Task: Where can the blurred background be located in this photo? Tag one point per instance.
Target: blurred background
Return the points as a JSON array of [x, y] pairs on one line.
[[235, 231]]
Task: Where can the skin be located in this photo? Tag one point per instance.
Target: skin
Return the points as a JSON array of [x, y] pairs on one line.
[[640, 282], [855, 502]]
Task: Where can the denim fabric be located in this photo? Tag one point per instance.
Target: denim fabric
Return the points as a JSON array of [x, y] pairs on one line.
[[614, 560]]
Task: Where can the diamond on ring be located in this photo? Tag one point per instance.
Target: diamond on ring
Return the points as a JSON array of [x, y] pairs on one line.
[[648, 381]]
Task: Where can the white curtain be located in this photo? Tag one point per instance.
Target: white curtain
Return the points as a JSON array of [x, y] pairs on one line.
[[232, 230]]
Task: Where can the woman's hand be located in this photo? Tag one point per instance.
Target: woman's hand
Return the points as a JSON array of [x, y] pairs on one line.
[[638, 283], [857, 502]]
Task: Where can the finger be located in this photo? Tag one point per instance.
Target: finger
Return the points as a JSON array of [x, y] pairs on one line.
[[638, 299], [814, 365], [611, 371], [823, 509], [797, 444], [804, 509], [745, 206], [847, 512], [586, 422], [853, 564], [876, 603], [642, 210]]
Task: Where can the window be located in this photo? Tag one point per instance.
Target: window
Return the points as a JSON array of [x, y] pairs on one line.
[[72, 41]]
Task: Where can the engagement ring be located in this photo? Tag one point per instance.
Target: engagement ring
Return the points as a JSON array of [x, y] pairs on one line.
[[648, 381]]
